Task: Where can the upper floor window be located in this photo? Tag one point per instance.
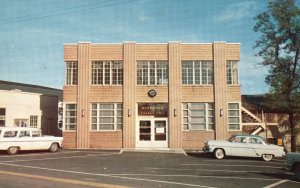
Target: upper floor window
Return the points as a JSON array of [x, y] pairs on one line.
[[72, 73], [234, 116], [197, 72], [70, 117], [107, 73], [152, 72], [198, 116], [232, 72]]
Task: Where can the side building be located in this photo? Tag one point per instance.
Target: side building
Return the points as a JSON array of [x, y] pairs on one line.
[[25, 105], [134, 95]]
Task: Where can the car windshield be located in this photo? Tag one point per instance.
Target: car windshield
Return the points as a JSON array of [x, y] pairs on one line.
[[231, 139]]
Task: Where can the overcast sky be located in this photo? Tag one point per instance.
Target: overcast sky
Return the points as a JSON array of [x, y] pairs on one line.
[[32, 32]]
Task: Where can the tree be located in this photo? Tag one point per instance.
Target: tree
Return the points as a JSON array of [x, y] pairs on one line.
[[279, 47]]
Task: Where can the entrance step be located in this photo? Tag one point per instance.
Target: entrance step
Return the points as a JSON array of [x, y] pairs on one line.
[[154, 150]]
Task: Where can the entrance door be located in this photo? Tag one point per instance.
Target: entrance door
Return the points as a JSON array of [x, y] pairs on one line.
[[152, 133]]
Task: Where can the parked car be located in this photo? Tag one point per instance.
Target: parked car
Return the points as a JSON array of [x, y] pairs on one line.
[[245, 146], [13, 139], [292, 162]]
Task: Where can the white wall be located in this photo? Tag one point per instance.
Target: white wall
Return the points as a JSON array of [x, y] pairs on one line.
[[20, 105]]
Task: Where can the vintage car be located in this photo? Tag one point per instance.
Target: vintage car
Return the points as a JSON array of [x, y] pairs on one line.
[[292, 163], [13, 139], [245, 146]]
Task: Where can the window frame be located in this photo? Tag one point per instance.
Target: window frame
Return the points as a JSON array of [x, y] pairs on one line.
[[33, 121], [65, 117], [107, 71], [194, 71], [150, 74], [71, 78], [117, 126], [208, 126], [232, 72], [240, 116], [3, 117]]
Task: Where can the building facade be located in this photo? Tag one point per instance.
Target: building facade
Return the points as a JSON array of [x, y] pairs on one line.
[[25, 105], [132, 95]]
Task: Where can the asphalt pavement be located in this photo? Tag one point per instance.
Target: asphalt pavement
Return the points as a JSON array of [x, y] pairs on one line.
[[98, 168]]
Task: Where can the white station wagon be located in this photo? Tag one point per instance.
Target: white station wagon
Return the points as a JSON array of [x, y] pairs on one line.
[[244, 146], [13, 139]]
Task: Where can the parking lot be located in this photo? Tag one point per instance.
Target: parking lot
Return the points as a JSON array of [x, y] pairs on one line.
[[97, 168]]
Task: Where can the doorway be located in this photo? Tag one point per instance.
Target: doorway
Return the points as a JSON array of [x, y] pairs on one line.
[[152, 133]]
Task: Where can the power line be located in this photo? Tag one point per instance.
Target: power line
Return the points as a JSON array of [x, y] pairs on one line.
[[62, 12]]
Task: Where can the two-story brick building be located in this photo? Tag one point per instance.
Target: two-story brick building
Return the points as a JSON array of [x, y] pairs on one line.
[[134, 95]]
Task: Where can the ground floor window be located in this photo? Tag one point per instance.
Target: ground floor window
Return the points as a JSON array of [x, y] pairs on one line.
[[198, 116], [234, 116], [70, 117], [106, 116], [33, 121], [2, 116]]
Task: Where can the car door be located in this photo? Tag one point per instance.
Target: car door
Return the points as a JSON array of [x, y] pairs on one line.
[[256, 147], [25, 140], [238, 147]]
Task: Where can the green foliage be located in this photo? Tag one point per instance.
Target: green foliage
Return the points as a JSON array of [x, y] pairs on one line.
[[279, 46]]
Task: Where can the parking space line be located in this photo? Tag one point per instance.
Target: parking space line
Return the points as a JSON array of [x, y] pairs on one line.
[[244, 161], [38, 154], [108, 175], [68, 181], [231, 165], [275, 184], [209, 170], [55, 158]]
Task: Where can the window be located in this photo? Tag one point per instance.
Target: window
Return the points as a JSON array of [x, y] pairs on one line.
[[106, 116], [255, 141], [234, 116], [24, 134], [72, 73], [152, 73], [2, 116], [33, 121], [8, 134], [107, 73], [232, 72], [70, 117], [198, 116], [197, 72]]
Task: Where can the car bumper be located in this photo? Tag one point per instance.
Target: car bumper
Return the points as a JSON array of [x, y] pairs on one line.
[[206, 149]]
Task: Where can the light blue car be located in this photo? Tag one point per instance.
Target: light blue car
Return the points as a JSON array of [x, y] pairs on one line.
[[243, 146]]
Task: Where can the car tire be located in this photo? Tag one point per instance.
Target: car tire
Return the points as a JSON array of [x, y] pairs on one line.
[[219, 153], [297, 171], [53, 147], [12, 150], [267, 157]]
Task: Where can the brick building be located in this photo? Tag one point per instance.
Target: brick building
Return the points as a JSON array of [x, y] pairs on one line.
[[134, 95]]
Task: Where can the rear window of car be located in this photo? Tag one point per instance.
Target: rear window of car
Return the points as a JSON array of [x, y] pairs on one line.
[[8, 134]]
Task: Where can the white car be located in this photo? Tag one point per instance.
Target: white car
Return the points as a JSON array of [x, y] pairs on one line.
[[245, 146], [13, 139]]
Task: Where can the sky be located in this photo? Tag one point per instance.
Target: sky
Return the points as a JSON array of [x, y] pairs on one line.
[[32, 32]]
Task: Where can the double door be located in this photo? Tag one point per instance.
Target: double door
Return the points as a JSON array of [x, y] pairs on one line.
[[152, 133]]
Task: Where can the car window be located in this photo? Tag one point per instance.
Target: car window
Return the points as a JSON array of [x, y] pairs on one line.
[[36, 133], [236, 139], [244, 139], [24, 134], [8, 134], [255, 141]]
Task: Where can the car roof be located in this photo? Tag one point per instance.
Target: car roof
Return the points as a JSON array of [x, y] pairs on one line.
[[248, 135], [18, 128]]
